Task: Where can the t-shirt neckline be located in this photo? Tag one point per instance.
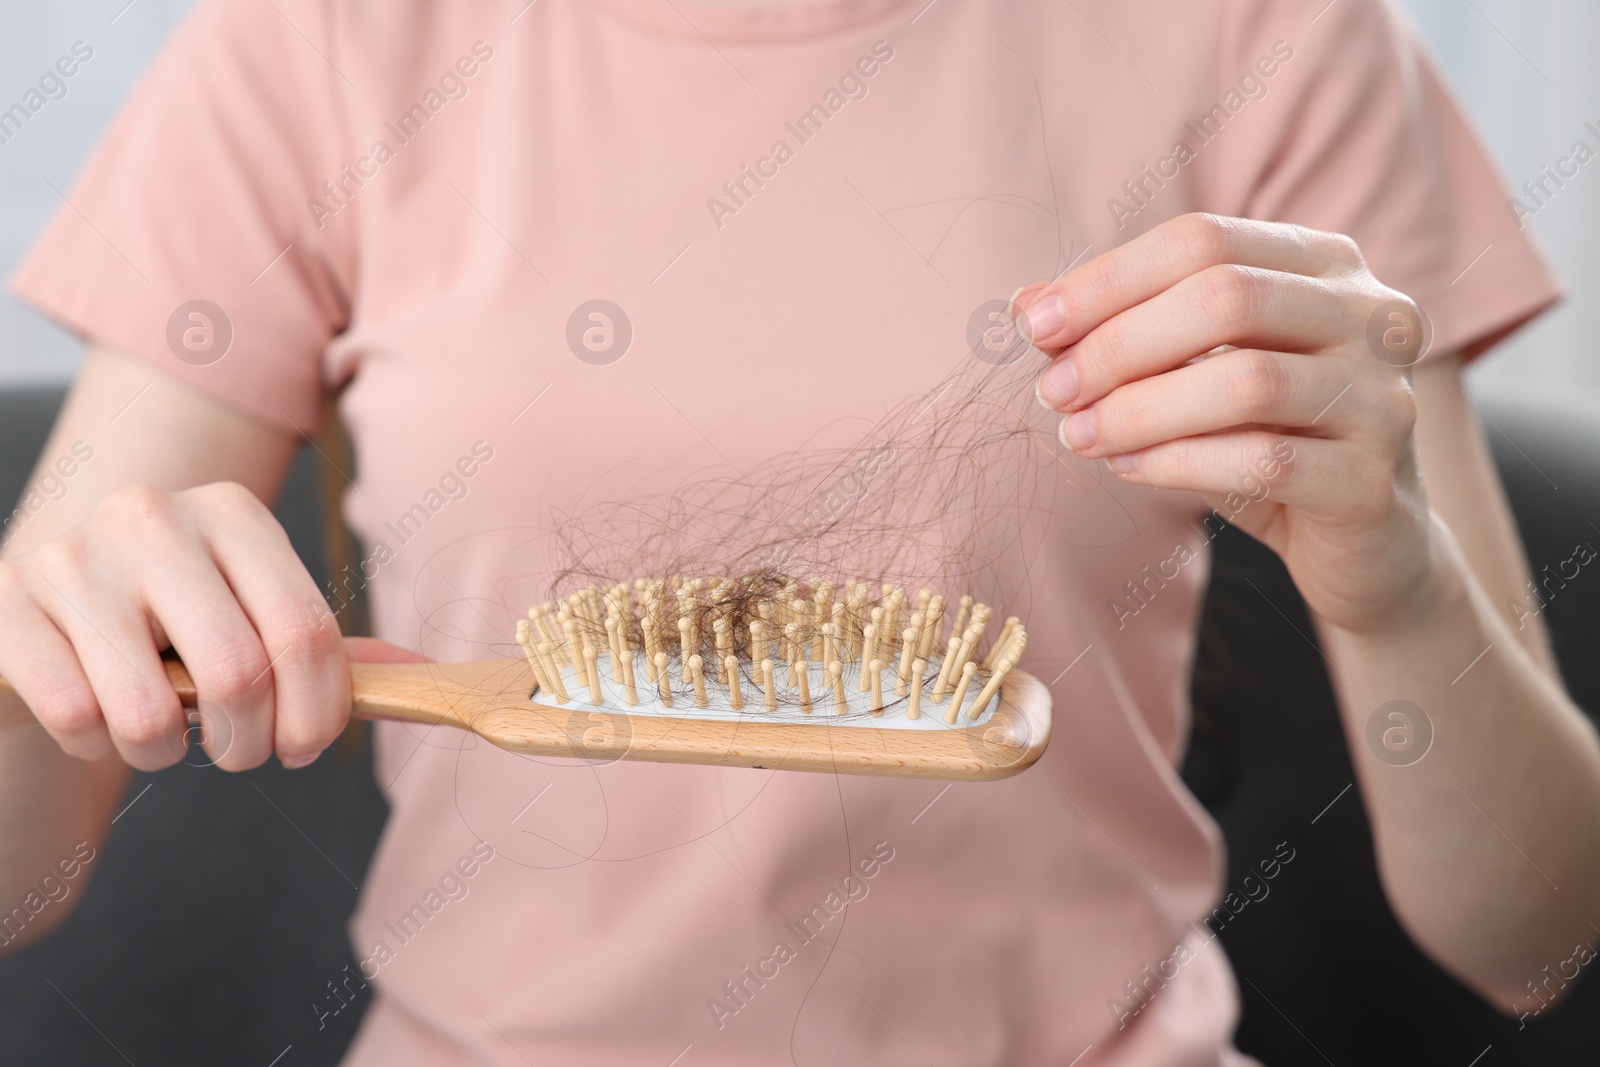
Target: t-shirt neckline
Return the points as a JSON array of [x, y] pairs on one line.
[[733, 22]]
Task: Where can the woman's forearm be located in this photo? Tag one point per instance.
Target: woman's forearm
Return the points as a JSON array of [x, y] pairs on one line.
[[1488, 839], [56, 808], [54, 814]]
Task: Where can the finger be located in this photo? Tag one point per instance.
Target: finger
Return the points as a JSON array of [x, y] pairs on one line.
[[372, 650], [1226, 305], [1240, 388], [1025, 295], [118, 656], [219, 645], [310, 675], [38, 662], [1318, 476], [1064, 312]]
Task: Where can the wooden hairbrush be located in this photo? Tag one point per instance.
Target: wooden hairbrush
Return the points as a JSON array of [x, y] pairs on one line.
[[762, 671]]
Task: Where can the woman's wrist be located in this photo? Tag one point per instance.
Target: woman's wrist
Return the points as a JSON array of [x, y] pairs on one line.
[[1433, 593]]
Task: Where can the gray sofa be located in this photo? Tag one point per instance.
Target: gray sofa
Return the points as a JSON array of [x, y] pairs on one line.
[[1325, 972], [213, 924]]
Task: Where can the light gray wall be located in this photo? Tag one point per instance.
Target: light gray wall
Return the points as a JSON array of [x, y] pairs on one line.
[[1526, 72], [56, 142]]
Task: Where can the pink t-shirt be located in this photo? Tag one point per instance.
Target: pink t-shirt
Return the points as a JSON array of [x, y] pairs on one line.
[[802, 211]]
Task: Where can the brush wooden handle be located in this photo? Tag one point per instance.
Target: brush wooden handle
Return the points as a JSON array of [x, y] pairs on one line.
[[494, 699], [415, 692], [14, 713]]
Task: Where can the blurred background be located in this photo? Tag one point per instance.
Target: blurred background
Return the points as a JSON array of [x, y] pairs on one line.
[[231, 956], [1526, 73]]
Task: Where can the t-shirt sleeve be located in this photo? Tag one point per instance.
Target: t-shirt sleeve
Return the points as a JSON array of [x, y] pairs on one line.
[[186, 241], [1359, 134]]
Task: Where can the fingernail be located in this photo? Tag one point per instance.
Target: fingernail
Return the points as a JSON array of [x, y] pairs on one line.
[[1044, 318], [294, 763], [1058, 386], [1077, 429], [1011, 301], [1038, 394], [1122, 463]]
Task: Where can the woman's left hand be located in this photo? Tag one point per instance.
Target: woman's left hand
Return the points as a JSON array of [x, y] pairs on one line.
[[1263, 366]]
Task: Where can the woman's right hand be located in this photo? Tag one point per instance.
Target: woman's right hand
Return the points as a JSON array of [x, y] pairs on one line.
[[85, 616]]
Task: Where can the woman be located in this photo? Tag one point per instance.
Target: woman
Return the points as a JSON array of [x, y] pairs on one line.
[[792, 210]]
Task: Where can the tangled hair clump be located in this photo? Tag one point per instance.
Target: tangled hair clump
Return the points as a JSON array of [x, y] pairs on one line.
[[932, 494], [811, 557]]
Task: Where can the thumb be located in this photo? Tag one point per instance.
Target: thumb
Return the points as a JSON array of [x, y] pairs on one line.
[[372, 650], [1023, 299], [1026, 295]]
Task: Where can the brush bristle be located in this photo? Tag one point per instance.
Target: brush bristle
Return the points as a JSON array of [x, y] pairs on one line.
[[663, 632]]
